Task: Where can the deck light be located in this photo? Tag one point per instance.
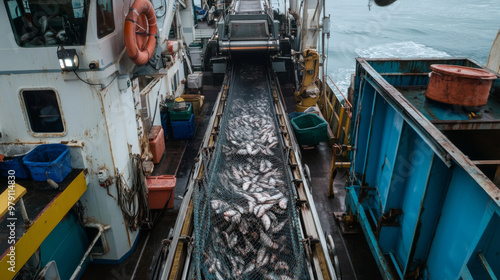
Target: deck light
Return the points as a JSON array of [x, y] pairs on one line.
[[68, 59]]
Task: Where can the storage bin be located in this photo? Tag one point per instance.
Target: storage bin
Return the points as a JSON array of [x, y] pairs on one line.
[[195, 80], [182, 115], [161, 189], [310, 129], [169, 103], [16, 164], [183, 129], [156, 143], [197, 102], [13, 160], [49, 161], [293, 115]]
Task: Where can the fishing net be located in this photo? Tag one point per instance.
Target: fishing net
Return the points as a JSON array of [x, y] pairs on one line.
[[246, 225]]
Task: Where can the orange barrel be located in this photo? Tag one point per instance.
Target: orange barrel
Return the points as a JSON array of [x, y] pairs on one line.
[[459, 85]]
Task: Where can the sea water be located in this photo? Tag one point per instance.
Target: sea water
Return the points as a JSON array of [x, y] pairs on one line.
[[408, 29]]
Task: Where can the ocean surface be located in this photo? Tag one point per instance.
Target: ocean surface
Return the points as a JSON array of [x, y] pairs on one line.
[[408, 29]]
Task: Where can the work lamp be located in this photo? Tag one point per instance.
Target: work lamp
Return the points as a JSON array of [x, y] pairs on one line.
[[68, 59]]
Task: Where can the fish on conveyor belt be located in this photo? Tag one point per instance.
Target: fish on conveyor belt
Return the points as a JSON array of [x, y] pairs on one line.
[[252, 132], [251, 222], [248, 237]]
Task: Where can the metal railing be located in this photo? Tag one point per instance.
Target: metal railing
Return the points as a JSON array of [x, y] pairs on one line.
[[337, 112]]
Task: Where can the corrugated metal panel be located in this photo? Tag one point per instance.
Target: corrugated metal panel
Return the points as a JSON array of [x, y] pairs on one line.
[[427, 209]]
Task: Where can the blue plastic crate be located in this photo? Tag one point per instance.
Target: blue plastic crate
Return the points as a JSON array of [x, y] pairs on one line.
[[183, 129], [49, 160], [14, 163], [14, 160]]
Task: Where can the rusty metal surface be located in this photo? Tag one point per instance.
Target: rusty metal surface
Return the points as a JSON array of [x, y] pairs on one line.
[[448, 117], [438, 142]]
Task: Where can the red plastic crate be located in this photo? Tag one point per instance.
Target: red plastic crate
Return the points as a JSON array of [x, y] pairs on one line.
[[160, 189], [157, 143]]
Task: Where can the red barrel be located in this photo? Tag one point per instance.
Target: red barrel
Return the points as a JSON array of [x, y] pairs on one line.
[[459, 85]]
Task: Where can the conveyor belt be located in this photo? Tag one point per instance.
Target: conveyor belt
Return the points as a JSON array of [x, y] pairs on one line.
[[244, 215]]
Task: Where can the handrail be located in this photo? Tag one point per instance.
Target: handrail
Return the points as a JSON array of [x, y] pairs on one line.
[[345, 98]]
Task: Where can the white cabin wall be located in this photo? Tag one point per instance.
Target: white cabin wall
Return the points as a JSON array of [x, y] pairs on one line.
[[100, 140], [161, 87], [100, 125], [187, 22]]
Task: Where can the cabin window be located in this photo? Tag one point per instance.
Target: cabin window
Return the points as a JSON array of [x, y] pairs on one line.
[[38, 23], [105, 20], [42, 108]]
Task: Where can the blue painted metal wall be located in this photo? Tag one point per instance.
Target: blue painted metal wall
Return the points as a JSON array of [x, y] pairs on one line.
[[426, 209], [65, 245]]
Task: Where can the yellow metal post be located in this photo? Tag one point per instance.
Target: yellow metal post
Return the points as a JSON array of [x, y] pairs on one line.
[[337, 150]]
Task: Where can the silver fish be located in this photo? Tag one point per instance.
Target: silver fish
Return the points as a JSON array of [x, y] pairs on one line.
[[283, 203], [243, 227], [264, 261], [281, 265], [263, 209], [260, 254], [279, 227], [250, 267], [266, 240], [246, 185], [266, 221]]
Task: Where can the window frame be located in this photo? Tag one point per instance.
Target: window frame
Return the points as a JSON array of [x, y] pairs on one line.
[[27, 118], [99, 37], [17, 36]]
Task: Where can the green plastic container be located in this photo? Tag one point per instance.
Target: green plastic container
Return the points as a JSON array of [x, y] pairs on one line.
[[310, 129], [182, 115], [169, 103]]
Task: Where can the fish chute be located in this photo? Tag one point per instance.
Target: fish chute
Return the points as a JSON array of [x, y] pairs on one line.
[[246, 224]]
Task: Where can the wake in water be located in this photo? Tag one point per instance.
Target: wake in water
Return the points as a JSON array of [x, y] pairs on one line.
[[408, 49]]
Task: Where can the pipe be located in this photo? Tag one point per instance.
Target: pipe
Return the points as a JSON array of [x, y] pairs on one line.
[[186, 57], [231, 46], [101, 229], [23, 212]]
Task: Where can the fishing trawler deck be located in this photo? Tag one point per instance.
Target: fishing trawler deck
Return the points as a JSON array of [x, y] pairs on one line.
[[355, 259]]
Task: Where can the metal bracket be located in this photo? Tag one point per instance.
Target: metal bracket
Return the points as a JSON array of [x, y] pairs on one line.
[[415, 274], [299, 202], [363, 191], [389, 219], [186, 239]]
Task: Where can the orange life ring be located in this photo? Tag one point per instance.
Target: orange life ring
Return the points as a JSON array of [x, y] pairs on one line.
[[140, 31]]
